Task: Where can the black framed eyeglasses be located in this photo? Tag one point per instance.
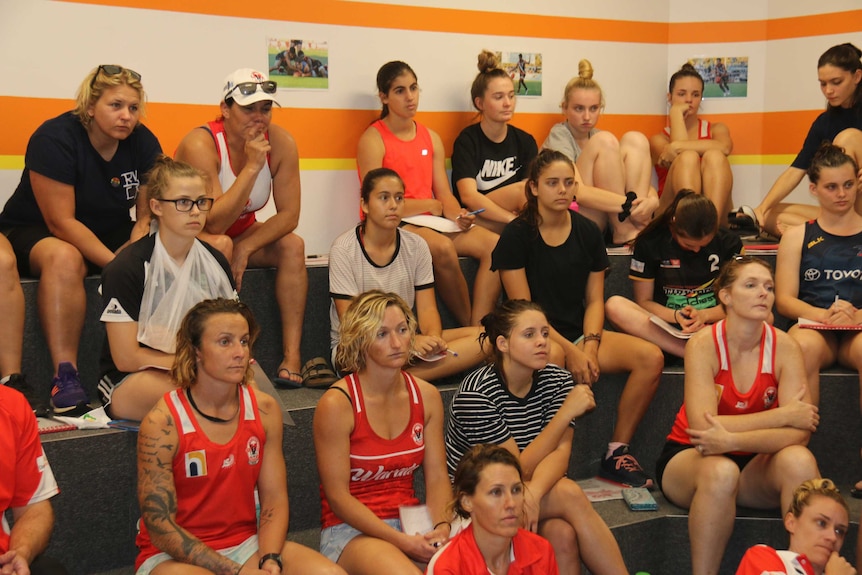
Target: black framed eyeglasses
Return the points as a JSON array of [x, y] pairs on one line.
[[249, 88], [112, 70], [185, 204]]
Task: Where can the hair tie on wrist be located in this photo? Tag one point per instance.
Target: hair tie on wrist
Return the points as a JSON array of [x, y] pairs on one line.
[[627, 206]]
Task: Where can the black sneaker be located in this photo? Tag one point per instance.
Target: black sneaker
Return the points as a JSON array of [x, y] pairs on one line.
[[622, 467], [37, 402]]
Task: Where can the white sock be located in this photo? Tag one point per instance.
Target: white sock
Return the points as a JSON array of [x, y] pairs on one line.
[[613, 446]]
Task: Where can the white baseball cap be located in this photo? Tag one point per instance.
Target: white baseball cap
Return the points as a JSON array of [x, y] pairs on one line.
[[247, 86]]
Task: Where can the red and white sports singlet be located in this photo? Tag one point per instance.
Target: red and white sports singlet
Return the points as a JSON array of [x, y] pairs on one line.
[[381, 470], [260, 192], [704, 132], [215, 484], [763, 394]]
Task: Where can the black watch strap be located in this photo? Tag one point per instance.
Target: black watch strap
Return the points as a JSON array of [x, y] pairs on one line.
[[274, 556]]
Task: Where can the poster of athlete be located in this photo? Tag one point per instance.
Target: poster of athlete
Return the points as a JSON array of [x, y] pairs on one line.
[[723, 76], [525, 69]]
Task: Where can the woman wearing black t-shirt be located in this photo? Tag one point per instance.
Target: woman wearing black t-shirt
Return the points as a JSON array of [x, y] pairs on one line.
[[69, 216]]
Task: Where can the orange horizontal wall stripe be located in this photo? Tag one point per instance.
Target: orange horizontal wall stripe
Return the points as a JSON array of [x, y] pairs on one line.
[[368, 14], [324, 133]]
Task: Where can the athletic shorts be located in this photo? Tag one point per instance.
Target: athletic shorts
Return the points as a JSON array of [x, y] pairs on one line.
[[334, 539], [24, 238], [672, 448], [238, 554]]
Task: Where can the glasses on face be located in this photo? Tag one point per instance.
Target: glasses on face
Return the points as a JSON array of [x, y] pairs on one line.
[[249, 88], [185, 204], [111, 70]]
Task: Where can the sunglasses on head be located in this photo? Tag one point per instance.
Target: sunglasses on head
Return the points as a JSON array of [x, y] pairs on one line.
[[249, 88], [111, 70]]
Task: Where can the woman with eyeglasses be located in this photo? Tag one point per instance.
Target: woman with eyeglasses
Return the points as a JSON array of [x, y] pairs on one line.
[[249, 159], [149, 287], [740, 436], [69, 216]]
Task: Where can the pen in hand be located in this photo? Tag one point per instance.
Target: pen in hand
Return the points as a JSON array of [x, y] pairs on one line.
[[473, 213]]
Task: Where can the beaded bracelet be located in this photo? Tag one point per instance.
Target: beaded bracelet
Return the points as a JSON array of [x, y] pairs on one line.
[[597, 337]]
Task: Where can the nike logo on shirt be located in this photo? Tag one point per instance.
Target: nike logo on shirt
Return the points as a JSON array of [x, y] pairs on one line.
[[496, 172]]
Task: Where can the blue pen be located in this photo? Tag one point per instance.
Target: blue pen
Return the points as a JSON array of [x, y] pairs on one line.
[[474, 212]]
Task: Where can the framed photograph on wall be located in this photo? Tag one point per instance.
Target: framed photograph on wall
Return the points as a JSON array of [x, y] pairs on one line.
[[723, 76], [525, 69], [298, 64]]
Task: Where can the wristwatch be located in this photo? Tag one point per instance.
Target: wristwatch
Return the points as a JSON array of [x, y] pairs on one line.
[[273, 556]]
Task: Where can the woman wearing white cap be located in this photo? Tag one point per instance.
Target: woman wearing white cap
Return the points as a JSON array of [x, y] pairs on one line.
[[248, 159]]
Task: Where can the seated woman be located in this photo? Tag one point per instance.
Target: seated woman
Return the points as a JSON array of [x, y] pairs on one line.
[[740, 435], [148, 288], [398, 142], [378, 254], [69, 216], [557, 258], [817, 520], [691, 153], [609, 169], [673, 269], [208, 452], [372, 429], [839, 71], [489, 490], [490, 159], [528, 406], [248, 159], [817, 270]]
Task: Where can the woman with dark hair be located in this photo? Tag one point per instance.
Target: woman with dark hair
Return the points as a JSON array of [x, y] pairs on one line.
[[490, 491], [839, 71], [249, 160], [740, 436], [818, 266], [69, 215], [398, 142], [557, 258], [372, 430], [528, 406], [148, 288], [673, 269], [209, 453], [691, 153], [378, 254], [490, 158], [613, 175], [817, 521]]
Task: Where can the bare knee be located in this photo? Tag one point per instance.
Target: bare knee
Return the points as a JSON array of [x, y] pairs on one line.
[[562, 537], [291, 248], [222, 243], [443, 251], [634, 142], [714, 159], [687, 160], [606, 142], [795, 464], [718, 477], [61, 261], [616, 308], [8, 265]]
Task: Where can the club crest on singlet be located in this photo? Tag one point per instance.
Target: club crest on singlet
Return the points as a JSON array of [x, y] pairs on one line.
[[418, 434], [252, 449]]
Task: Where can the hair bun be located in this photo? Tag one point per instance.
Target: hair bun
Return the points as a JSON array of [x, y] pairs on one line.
[[487, 61], [688, 66], [585, 69]]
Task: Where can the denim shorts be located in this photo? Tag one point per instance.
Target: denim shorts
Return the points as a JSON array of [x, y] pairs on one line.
[[238, 553], [334, 539]]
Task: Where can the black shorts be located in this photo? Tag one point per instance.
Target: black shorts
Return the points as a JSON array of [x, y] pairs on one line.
[[24, 238], [672, 448]]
